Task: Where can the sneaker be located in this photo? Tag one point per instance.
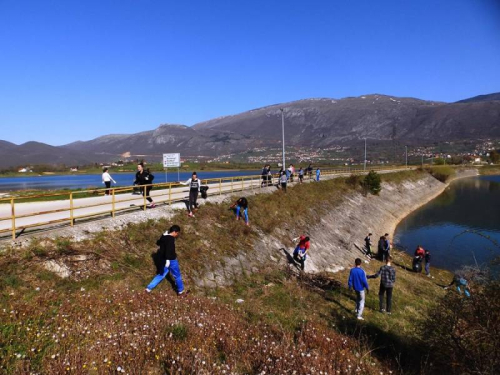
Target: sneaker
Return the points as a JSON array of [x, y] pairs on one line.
[[183, 293], [429, 275], [382, 310], [148, 290], [388, 313], [361, 318], [153, 205], [190, 214]]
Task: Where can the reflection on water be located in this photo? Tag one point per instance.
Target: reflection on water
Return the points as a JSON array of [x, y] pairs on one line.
[[94, 180], [461, 226]]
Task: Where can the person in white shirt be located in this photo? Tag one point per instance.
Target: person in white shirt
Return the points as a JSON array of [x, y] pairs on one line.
[[194, 187], [106, 180]]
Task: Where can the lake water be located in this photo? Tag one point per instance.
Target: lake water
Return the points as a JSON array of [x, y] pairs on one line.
[[460, 227], [94, 180]]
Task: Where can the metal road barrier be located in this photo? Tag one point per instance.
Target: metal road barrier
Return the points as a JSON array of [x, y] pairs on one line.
[[67, 207]]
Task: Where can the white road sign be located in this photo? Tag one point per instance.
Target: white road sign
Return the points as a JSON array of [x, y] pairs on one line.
[[171, 160]]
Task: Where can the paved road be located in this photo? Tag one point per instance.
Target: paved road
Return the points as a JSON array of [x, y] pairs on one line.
[[42, 213], [37, 213]]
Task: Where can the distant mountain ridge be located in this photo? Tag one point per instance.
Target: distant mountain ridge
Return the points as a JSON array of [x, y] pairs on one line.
[[309, 123]]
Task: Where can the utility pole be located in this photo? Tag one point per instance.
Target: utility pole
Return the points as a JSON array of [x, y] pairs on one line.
[[364, 166], [283, 133], [406, 156], [422, 160]]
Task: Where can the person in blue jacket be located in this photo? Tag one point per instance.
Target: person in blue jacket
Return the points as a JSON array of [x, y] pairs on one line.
[[318, 174], [358, 282]]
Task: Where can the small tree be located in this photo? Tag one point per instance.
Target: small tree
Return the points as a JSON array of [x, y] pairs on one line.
[[372, 182]]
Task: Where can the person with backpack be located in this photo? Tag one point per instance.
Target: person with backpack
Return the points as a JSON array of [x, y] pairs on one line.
[[387, 275], [301, 250], [318, 174], [368, 244], [165, 260], [194, 187], [358, 282], [427, 258], [106, 179], [241, 204], [144, 177]]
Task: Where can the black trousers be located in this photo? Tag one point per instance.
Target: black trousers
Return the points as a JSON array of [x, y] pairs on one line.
[[148, 189], [193, 197], [388, 291], [283, 186], [108, 185]]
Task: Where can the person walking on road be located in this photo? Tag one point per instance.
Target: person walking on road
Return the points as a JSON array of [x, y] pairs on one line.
[[387, 275], [106, 179], [300, 252], [358, 282], [165, 260], [144, 177], [283, 181], [318, 174], [194, 187], [301, 175]]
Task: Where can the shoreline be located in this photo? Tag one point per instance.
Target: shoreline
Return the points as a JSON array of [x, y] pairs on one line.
[[465, 174]]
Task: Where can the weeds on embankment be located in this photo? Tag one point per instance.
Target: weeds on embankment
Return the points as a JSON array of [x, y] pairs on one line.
[[100, 321], [441, 173]]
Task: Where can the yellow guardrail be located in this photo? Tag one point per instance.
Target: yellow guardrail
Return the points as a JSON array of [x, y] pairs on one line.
[[217, 186]]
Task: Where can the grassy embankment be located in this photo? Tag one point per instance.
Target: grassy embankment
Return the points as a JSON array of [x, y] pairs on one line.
[[100, 319]]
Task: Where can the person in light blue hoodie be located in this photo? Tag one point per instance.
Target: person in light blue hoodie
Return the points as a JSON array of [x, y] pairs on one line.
[[358, 282], [318, 174]]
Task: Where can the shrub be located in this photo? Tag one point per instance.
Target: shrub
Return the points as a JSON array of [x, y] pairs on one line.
[[463, 334], [354, 181], [371, 182]]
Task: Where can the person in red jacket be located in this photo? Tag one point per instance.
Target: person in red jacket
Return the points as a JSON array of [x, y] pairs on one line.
[[420, 252], [300, 252]]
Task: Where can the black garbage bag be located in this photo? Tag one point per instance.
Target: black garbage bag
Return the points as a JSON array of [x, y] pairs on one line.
[[203, 191], [417, 264]]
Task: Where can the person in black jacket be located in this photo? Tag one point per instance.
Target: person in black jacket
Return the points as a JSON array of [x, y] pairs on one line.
[[166, 260], [144, 177]]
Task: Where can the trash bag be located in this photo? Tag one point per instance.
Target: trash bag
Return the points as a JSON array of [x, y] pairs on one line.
[[203, 191], [417, 264]]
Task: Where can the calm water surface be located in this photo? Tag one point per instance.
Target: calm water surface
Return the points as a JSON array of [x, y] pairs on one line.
[[94, 180], [460, 227]]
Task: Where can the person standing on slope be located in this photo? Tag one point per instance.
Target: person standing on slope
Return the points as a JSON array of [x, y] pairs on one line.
[[106, 179], [358, 282], [368, 244], [387, 275], [194, 187], [143, 177], [165, 260], [283, 181]]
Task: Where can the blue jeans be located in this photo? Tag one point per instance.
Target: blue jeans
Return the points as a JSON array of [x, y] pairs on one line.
[[360, 302], [317, 177], [245, 212], [174, 269], [427, 268]]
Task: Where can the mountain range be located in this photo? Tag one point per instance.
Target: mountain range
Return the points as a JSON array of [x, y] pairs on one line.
[[309, 123]]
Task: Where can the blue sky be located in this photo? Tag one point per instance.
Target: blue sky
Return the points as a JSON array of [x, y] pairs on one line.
[[75, 70]]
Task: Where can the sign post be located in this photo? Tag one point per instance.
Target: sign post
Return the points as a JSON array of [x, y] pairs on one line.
[[171, 161]]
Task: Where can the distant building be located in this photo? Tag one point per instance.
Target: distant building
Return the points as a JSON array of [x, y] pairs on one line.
[[22, 170], [73, 169]]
